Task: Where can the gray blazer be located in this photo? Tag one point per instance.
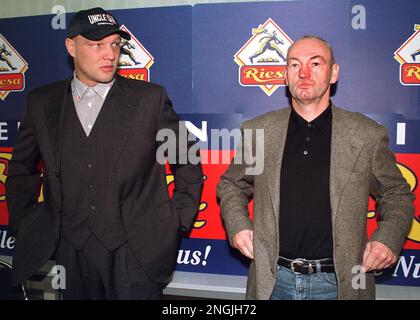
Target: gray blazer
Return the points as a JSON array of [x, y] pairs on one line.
[[361, 164]]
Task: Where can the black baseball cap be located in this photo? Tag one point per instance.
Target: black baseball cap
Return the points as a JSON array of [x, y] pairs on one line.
[[94, 24]]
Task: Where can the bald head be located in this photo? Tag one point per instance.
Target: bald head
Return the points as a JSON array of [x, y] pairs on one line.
[[312, 37]]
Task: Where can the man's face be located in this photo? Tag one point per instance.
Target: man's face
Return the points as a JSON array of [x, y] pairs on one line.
[[95, 61], [309, 72]]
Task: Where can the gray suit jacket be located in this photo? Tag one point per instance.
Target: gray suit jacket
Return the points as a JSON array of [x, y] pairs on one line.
[[361, 164]]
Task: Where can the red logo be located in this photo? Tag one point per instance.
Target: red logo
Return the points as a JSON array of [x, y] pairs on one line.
[[262, 60], [261, 75], [12, 69], [410, 73], [408, 55]]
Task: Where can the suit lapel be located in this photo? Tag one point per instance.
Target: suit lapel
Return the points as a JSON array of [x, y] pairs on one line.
[[54, 117], [121, 117], [275, 140], [345, 149]]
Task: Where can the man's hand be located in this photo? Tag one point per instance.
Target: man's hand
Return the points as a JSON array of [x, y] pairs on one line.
[[243, 241], [377, 256]]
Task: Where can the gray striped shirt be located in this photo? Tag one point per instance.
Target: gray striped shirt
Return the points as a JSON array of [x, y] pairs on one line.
[[88, 101]]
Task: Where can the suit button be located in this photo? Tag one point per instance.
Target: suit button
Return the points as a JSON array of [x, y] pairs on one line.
[[55, 243], [92, 207], [58, 210], [57, 175]]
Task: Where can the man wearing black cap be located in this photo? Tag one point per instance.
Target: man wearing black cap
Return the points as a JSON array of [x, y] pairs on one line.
[[106, 215]]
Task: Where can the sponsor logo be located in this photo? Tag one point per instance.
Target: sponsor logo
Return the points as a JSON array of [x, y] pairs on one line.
[[12, 69], [101, 19], [262, 59], [408, 55], [135, 60]]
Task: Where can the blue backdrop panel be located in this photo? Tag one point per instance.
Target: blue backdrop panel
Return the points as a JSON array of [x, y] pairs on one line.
[[164, 32], [369, 81], [373, 85], [219, 31]]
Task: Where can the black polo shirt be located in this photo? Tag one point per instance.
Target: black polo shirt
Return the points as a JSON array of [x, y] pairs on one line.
[[305, 210]]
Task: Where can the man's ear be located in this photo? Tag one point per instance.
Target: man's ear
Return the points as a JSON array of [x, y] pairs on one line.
[[335, 72], [71, 47]]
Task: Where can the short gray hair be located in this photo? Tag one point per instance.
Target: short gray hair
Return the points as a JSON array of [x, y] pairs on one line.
[[325, 42]]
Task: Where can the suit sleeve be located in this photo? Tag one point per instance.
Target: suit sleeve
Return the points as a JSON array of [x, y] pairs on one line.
[[393, 196], [24, 177], [235, 190], [188, 175]]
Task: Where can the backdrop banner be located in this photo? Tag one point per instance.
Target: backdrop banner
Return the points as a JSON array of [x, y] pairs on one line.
[[224, 63]]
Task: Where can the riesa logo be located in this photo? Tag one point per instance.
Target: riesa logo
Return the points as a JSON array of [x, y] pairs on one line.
[[408, 55], [12, 69], [135, 60], [262, 60]]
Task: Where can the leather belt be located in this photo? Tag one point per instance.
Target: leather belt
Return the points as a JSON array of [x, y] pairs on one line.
[[304, 266]]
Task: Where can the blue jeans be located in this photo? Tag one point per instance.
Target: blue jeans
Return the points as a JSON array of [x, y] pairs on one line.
[[297, 286]]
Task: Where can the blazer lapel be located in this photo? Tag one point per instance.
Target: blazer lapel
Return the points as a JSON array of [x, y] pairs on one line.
[[54, 117], [274, 146], [345, 149], [122, 115]]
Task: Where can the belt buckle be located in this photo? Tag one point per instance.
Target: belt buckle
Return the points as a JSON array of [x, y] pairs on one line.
[[311, 269], [295, 262]]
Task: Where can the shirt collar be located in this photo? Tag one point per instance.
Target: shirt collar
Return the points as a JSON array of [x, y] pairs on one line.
[[101, 89], [322, 122]]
